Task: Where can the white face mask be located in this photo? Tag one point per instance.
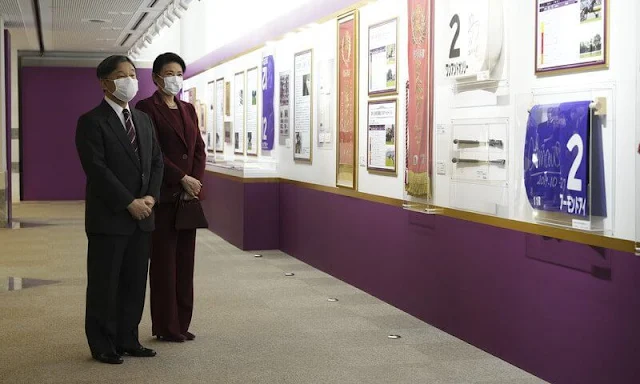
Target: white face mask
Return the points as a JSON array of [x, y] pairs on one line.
[[172, 84], [126, 89]]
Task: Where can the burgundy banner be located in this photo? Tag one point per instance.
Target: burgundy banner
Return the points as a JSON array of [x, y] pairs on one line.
[[420, 98], [347, 38]]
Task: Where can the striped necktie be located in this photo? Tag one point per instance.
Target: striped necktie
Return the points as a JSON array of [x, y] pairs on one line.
[[131, 131]]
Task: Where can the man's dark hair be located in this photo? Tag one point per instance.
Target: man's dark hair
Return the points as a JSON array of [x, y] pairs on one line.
[[110, 64], [167, 58]]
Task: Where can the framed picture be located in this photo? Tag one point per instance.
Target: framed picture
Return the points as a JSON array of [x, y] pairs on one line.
[[383, 58], [238, 113], [192, 96], [303, 106], [219, 118], [252, 139], [347, 117], [382, 143], [571, 36], [227, 99], [211, 117], [284, 107]]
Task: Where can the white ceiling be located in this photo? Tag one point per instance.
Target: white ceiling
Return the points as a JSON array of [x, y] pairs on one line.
[[67, 25]]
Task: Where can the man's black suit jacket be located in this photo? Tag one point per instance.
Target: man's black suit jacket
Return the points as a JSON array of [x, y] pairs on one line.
[[115, 176]]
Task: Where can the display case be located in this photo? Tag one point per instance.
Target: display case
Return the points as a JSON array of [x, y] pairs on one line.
[[479, 165], [568, 157]]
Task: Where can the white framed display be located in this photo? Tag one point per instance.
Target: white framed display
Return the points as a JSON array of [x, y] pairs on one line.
[[251, 129], [382, 129], [284, 111], [383, 58], [325, 105], [211, 115], [571, 35], [474, 42], [238, 113], [219, 112], [303, 106]]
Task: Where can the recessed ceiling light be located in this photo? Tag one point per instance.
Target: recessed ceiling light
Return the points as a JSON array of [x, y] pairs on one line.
[[96, 21]]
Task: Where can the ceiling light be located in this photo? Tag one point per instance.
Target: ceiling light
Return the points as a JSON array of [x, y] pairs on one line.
[[169, 15], [96, 21], [165, 21]]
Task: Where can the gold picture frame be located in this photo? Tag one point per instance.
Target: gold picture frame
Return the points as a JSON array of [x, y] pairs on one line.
[[347, 174], [227, 99]]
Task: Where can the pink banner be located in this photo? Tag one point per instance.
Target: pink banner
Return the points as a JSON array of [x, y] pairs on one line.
[[420, 98], [346, 88]]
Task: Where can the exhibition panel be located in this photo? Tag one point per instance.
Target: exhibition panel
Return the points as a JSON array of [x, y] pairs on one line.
[[439, 105], [468, 161]]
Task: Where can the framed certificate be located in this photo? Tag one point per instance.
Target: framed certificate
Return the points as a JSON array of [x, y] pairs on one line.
[[303, 106], [382, 129], [347, 142], [383, 58], [219, 119], [238, 113], [571, 36], [211, 117], [251, 129], [284, 120]]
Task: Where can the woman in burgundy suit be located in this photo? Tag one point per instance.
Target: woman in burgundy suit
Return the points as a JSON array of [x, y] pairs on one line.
[[172, 255]]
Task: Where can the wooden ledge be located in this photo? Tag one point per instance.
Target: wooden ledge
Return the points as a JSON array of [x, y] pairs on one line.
[[591, 239]]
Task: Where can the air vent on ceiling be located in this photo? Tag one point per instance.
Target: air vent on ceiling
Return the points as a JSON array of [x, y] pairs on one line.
[[153, 3], [140, 20]]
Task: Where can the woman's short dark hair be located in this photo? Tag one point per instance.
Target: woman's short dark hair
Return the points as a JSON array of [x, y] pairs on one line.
[[167, 58], [110, 64]]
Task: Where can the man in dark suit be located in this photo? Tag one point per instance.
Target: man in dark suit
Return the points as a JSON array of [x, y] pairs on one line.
[[123, 164]]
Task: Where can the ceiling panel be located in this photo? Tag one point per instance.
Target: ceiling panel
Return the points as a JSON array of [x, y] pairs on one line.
[[67, 24], [11, 14]]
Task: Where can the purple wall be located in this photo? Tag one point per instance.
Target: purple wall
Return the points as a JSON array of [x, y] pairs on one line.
[[482, 284], [51, 100], [7, 82], [244, 214]]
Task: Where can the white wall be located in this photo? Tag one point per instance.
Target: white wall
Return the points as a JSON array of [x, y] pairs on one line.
[[208, 25], [519, 81]]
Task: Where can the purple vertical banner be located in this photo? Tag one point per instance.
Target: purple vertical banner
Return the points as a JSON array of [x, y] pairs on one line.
[[268, 117], [7, 88]]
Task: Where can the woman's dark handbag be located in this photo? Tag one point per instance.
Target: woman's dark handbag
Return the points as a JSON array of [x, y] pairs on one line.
[[189, 215]]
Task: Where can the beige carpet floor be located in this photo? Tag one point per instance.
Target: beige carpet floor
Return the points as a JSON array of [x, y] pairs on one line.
[[253, 323]]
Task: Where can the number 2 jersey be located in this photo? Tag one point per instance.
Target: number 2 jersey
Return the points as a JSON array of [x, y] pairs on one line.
[[561, 163]]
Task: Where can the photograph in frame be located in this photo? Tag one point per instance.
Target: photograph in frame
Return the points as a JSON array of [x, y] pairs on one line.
[[571, 36], [383, 61]]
